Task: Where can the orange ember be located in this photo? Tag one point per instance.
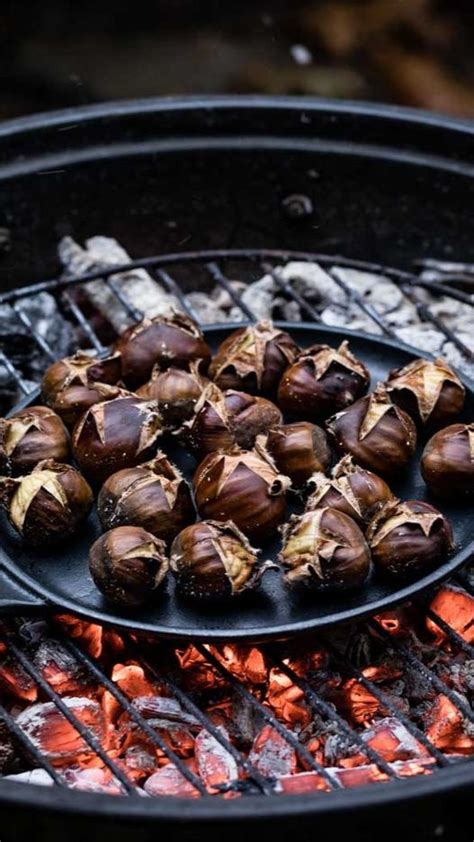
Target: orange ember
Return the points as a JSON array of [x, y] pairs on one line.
[[456, 608]]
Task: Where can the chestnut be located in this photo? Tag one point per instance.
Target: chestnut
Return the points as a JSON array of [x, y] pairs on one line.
[[244, 487], [447, 463], [321, 381], [379, 435], [299, 450], [176, 391], [68, 384], [173, 340], [253, 358], [29, 436], [351, 489], [116, 434], [428, 390], [213, 561], [324, 549], [127, 564], [46, 506], [154, 495], [408, 538], [225, 419]]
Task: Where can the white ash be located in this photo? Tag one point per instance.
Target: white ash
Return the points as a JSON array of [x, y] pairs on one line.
[[40, 777]]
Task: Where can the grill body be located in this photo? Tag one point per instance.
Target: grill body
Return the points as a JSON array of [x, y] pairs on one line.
[[383, 185]]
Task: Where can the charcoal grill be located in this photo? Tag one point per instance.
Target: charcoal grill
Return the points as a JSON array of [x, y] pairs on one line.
[[380, 186]]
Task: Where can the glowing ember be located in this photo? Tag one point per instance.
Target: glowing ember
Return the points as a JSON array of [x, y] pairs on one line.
[[456, 608], [56, 738], [446, 728]]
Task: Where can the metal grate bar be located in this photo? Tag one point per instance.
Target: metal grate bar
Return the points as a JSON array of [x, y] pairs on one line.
[[139, 720], [30, 747], [127, 784], [219, 278], [456, 638], [321, 707], [286, 287], [83, 323], [269, 717], [370, 311], [40, 341], [132, 311], [426, 315], [14, 373], [387, 703], [172, 287]]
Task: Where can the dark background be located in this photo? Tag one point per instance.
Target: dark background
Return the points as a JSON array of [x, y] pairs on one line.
[[413, 52]]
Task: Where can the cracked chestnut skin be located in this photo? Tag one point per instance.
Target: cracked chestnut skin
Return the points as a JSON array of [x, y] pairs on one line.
[[213, 561], [127, 565], [351, 489], [325, 550], [377, 433], [409, 537], [68, 384], [253, 359], [447, 463], [321, 381], [428, 390], [299, 450], [173, 340], [30, 436], [48, 505], [154, 496], [176, 392]]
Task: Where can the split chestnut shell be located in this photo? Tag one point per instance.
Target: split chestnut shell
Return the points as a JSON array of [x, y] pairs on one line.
[[127, 564], [428, 390], [244, 487], [213, 561], [173, 340], [68, 384], [253, 358], [31, 436], [176, 391], [321, 381], [46, 506], [325, 549], [408, 538], [447, 463], [154, 496], [379, 435], [299, 450], [351, 489]]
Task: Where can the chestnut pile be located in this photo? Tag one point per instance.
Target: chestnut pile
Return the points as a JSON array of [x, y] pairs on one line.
[[266, 423]]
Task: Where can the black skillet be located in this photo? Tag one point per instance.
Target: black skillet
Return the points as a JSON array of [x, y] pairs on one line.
[[59, 579]]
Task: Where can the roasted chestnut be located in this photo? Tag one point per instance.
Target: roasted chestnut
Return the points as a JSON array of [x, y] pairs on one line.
[[225, 419], [127, 564], [116, 434], [213, 561], [68, 384], [379, 435], [447, 463], [176, 391], [253, 358], [326, 550], [173, 340], [154, 495], [48, 505], [351, 489], [406, 538], [244, 487], [428, 390], [31, 436], [299, 450], [321, 381]]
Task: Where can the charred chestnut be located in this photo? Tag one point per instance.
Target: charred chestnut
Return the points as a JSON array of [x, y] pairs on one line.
[[46, 506], [31, 436], [321, 381], [447, 463], [406, 538], [351, 489], [429, 391], [253, 358], [299, 450], [379, 435], [127, 564], [326, 550], [116, 434], [176, 392], [68, 384], [244, 487], [213, 561], [173, 340], [154, 496], [225, 419]]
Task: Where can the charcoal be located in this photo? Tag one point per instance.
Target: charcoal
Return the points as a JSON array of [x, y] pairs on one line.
[[60, 669], [170, 781], [216, 765], [54, 736], [39, 777], [139, 758], [271, 754], [7, 750], [163, 709]]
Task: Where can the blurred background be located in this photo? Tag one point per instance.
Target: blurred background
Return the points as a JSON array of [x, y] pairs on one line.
[[56, 54]]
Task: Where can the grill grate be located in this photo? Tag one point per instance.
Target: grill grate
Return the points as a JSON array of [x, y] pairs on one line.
[[209, 267]]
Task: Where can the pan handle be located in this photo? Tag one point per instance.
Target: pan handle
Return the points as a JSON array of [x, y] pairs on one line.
[[16, 597]]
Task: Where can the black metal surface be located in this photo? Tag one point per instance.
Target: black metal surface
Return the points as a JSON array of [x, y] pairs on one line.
[[61, 576]]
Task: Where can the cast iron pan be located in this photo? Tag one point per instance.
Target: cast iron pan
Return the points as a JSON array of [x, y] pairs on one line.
[[59, 579]]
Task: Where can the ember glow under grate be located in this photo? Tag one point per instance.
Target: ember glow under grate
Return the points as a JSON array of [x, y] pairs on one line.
[[89, 708]]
